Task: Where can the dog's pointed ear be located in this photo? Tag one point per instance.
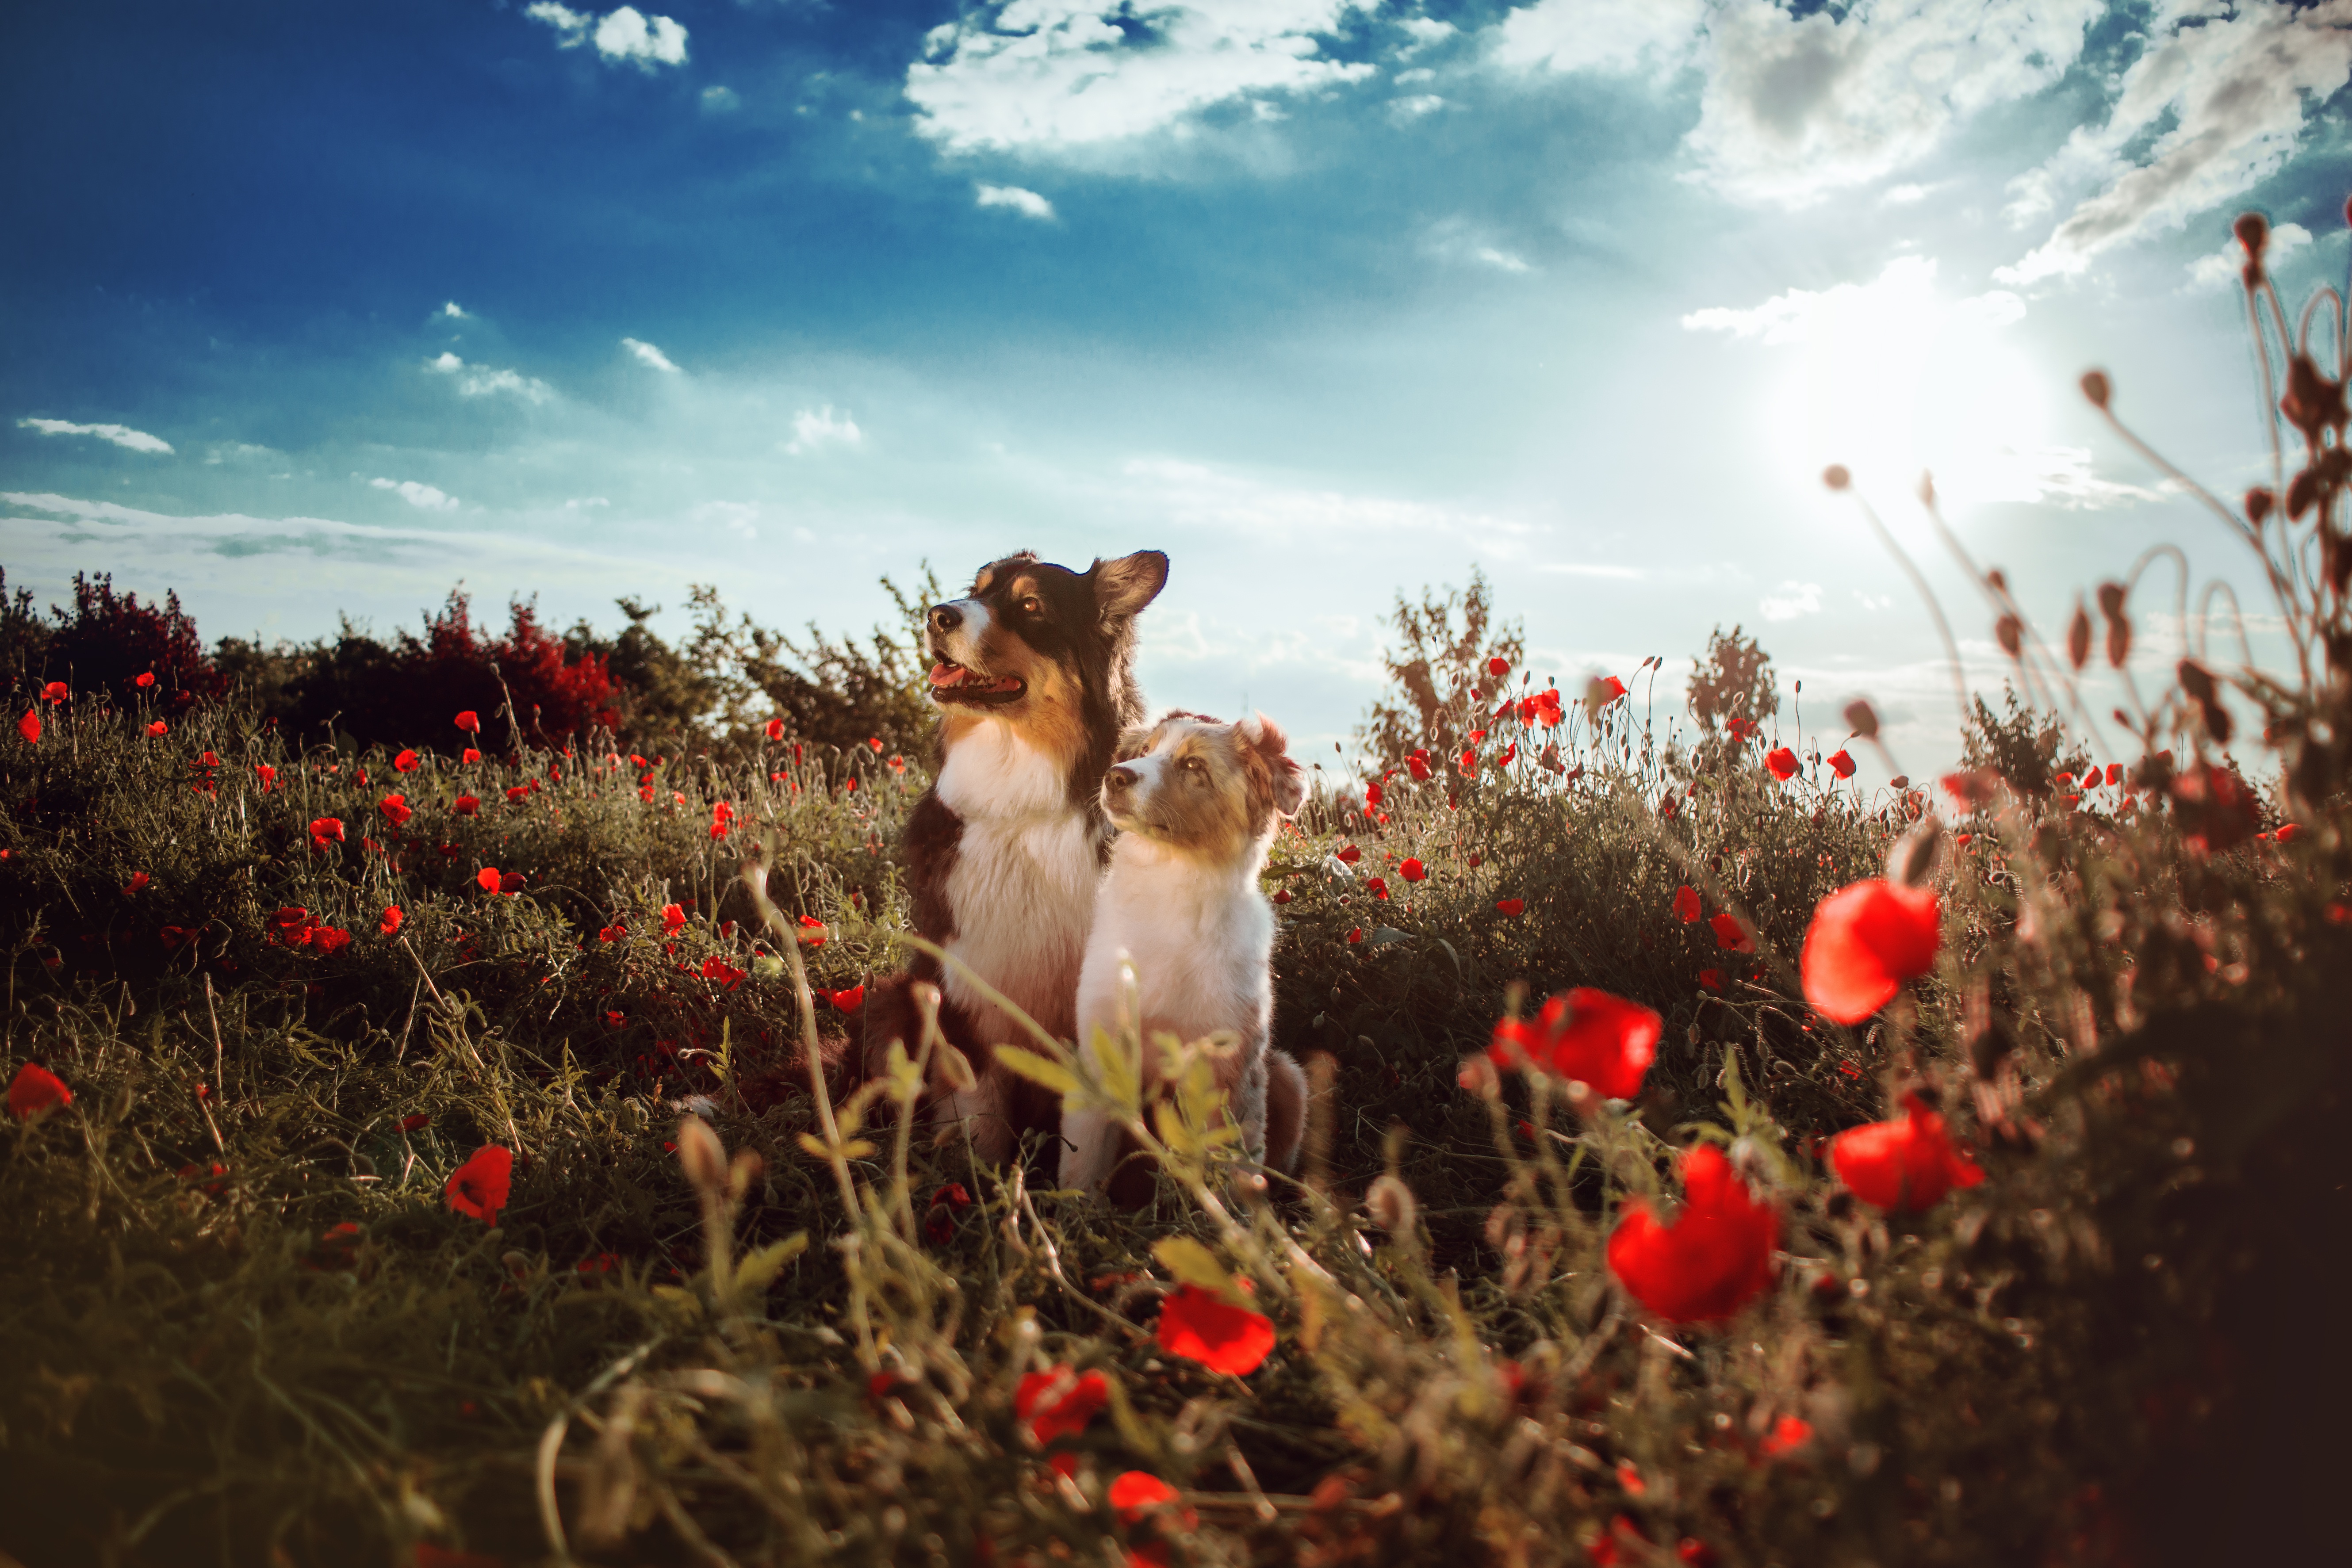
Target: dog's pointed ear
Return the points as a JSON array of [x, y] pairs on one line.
[[1286, 779], [1123, 586]]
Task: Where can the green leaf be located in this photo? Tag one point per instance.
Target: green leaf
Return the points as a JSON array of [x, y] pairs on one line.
[[1120, 1077], [760, 1268], [1381, 935], [1193, 1264], [1037, 1069]]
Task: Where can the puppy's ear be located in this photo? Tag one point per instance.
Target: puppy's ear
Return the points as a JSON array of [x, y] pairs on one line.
[[1286, 779], [1123, 586]]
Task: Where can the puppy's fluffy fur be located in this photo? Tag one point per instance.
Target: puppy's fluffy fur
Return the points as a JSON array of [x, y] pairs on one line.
[[1196, 803], [1032, 677]]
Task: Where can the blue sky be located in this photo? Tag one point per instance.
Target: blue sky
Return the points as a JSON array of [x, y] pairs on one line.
[[312, 309]]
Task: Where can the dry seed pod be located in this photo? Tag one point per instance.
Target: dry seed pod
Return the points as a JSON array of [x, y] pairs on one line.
[[2078, 636], [2253, 231], [2010, 633], [2196, 681], [2119, 636], [2097, 388], [1862, 718], [2258, 502], [1391, 1204], [1911, 860], [701, 1154], [1836, 477], [2111, 599]]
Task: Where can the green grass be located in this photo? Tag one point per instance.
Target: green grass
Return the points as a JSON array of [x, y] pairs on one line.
[[202, 1369]]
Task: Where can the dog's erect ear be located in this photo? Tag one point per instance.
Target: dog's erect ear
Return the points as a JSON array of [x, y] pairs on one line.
[[1123, 586], [1288, 780]]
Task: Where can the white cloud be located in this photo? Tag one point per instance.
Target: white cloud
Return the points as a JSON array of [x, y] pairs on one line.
[[480, 381], [720, 101], [1502, 259], [241, 452], [425, 497], [2226, 268], [1029, 204], [1195, 495], [740, 517], [1904, 195], [649, 356], [2225, 97], [123, 435], [1598, 35], [1797, 107], [1794, 599], [628, 34], [1415, 106], [1426, 32], [581, 503], [813, 430], [1049, 76], [454, 311]]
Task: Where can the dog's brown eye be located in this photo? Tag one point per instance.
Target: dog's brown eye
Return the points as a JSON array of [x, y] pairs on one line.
[[1032, 605]]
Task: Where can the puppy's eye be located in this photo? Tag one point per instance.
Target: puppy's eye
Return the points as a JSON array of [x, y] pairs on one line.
[[1195, 767]]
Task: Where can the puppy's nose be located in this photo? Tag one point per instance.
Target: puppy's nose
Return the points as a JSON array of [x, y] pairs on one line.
[[946, 617], [1119, 779]]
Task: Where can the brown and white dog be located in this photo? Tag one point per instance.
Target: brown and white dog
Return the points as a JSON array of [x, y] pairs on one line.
[[1032, 672], [1195, 803]]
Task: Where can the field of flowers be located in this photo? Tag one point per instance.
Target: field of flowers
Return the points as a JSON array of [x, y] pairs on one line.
[[416, 1152]]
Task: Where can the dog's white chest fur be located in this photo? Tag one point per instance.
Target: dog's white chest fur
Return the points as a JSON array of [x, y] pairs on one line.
[[1199, 940], [1028, 859]]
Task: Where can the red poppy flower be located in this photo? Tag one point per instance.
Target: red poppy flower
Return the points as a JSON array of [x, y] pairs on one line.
[[487, 879], [1783, 762], [405, 762], [2288, 831], [1378, 886], [1910, 1163], [1349, 854], [1864, 941], [847, 1001], [146, 678], [673, 920], [1419, 768], [1498, 666], [1412, 871], [325, 827], [409, 1123], [138, 880], [159, 727], [1221, 1337], [1714, 1258], [2216, 812], [479, 1186], [1059, 1402], [602, 1263], [812, 931], [1711, 979], [1356, 935], [511, 883], [1732, 932], [466, 805], [266, 774], [389, 924], [30, 727], [1136, 1492], [1789, 1433], [172, 936], [722, 973], [1842, 763], [55, 692], [1586, 1034], [469, 722], [775, 729], [469, 754], [2114, 773], [1605, 689], [1510, 906], [395, 808], [521, 792], [1509, 752], [35, 1087], [329, 940], [1686, 903]]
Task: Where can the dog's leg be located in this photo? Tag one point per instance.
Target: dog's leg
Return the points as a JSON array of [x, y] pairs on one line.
[[1286, 1110], [1091, 1145], [985, 1114]]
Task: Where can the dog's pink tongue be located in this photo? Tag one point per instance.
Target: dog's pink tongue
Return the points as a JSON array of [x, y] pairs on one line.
[[947, 674]]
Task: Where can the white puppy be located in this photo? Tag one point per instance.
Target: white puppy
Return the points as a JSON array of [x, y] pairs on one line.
[[1195, 803]]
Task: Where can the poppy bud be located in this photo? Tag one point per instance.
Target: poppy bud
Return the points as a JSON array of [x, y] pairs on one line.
[[1862, 718], [2111, 599], [2120, 640], [2196, 681], [2078, 637], [1911, 860], [2010, 633], [1391, 1206], [1836, 477], [701, 1154], [2253, 231], [2258, 502], [2095, 388]]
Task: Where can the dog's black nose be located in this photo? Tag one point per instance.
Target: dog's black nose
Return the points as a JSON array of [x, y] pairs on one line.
[[946, 617], [1119, 779]]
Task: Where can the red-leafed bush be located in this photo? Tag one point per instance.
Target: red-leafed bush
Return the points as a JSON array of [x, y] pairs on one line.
[[109, 640]]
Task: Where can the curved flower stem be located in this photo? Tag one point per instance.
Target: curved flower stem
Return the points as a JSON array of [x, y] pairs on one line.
[[1935, 610]]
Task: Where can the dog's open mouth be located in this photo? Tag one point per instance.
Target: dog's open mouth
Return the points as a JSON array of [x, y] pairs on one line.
[[951, 683]]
